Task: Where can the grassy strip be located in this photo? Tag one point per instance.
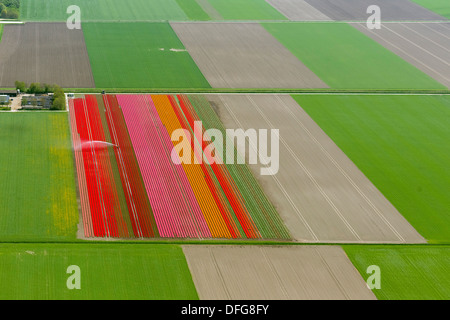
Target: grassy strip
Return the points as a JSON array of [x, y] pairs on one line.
[[251, 90], [107, 271], [406, 272], [399, 143], [218, 242]]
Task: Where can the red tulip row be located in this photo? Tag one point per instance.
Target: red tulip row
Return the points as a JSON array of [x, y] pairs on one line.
[[106, 216], [139, 209], [170, 194], [160, 198], [82, 184]]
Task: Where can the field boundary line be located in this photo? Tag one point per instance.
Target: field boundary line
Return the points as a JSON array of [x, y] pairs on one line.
[[228, 21], [221, 242], [224, 91]]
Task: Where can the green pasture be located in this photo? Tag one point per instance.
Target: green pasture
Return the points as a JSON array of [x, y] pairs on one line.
[[405, 272], [106, 272], [99, 10], [140, 55], [37, 180]]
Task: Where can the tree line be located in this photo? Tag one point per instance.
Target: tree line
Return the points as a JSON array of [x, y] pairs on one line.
[[59, 99], [9, 9]]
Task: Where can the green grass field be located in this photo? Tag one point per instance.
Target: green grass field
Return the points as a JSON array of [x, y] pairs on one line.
[[441, 7], [107, 271], [37, 179], [406, 272], [193, 10], [401, 144], [111, 10], [246, 10], [140, 55], [344, 58]]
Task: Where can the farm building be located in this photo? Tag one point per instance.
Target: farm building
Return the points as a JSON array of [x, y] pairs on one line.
[[37, 102], [4, 99], [10, 93]]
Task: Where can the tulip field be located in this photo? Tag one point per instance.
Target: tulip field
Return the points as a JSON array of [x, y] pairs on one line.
[[224, 150], [131, 187]]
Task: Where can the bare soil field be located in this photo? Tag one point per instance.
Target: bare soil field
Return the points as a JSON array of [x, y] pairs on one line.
[[46, 53], [424, 45], [243, 55], [274, 273], [318, 191], [298, 10], [391, 10]]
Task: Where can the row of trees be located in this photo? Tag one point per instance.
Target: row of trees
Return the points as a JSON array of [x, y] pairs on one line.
[[35, 87], [59, 99], [9, 9]]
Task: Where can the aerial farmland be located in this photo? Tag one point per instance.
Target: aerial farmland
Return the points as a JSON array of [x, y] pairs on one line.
[[242, 150]]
